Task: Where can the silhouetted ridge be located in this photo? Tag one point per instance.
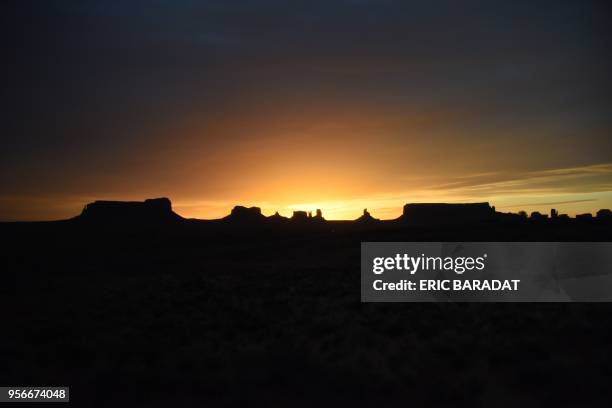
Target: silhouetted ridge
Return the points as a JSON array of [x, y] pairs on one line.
[[154, 210], [366, 217], [159, 210], [245, 214], [277, 218], [442, 213], [306, 216], [299, 216], [604, 213]]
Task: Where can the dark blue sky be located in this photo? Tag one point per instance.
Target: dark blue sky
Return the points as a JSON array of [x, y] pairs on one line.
[[207, 101]]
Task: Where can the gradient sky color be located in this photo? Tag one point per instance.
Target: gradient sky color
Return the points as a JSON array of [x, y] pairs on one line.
[[339, 105]]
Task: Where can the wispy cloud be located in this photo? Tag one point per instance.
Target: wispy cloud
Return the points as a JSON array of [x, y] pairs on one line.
[[585, 179], [587, 200]]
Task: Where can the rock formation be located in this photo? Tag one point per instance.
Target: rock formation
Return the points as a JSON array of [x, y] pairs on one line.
[[442, 213], [153, 210], [604, 213], [300, 216], [245, 214], [366, 217]]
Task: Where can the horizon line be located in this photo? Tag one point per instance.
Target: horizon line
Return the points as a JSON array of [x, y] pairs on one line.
[[294, 210]]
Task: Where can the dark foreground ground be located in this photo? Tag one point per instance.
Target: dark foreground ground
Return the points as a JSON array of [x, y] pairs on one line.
[[198, 314]]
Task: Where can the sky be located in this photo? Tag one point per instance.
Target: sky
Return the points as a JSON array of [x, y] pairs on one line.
[[286, 105]]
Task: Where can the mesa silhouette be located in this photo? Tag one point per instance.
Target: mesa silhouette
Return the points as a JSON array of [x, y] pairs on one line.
[[150, 210], [159, 210]]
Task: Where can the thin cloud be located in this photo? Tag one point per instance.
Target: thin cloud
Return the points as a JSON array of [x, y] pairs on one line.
[[585, 179], [551, 203]]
